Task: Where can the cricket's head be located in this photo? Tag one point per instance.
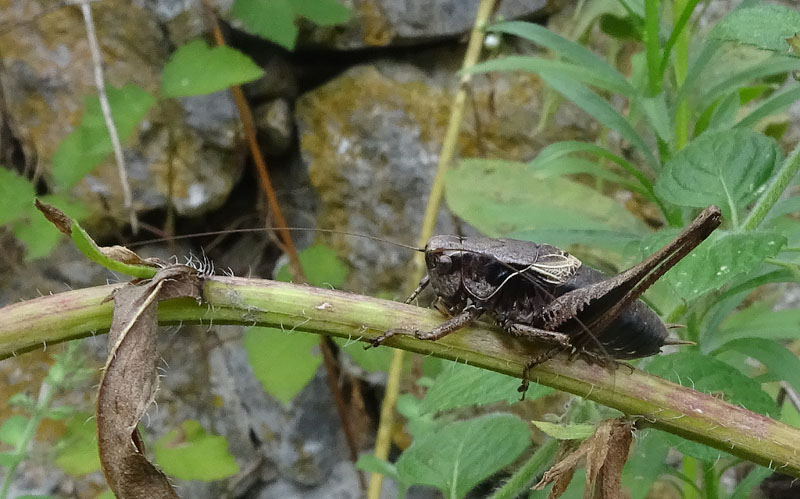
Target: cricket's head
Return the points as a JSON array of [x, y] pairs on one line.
[[444, 261]]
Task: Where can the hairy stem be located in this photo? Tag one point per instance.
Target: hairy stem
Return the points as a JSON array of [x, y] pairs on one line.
[[230, 300]]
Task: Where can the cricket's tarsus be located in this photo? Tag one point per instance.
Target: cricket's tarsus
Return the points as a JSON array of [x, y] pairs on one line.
[[540, 293]]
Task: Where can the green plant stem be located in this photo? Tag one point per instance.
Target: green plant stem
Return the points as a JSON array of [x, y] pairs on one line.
[[681, 67], [46, 393], [690, 465], [710, 480], [651, 41], [779, 182], [446, 155], [231, 300], [527, 473]]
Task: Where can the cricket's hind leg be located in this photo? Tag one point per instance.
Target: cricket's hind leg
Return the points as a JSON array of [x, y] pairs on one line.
[[462, 320]]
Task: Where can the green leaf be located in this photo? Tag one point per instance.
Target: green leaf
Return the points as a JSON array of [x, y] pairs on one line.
[[90, 250], [645, 465], [537, 65], [9, 459], [77, 450], [283, 362], [657, 113], [774, 104], [323, 268], [372, 360], [89, 144], [13, 430], [765, 25], [724, 114], [574, 52], [270, 19], [460, 455], [621, 28], [371, 464], [609, 240], [192, 454], [39, 236], [717, 260], [575, 431], [322, 12], [755, 477], [500, 197], [599, 109], [775, 65], [460, 385], [756, 321], [727, 168], [781, 361], [710, 375], [16, 196], [197, 69]]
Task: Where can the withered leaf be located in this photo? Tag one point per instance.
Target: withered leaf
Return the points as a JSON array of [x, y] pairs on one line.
[[605, 454], [130, 381], [55, 216]]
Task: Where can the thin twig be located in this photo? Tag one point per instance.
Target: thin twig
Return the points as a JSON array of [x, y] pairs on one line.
[[382, 442], [97, 62]]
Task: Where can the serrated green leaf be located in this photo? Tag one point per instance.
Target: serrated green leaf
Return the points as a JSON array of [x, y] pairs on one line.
[[717, 260], [322, 12], [77, 453], [781, 361], [323, 268], [765, 25], [462, 454], [197, 69], [756, 321], [283, 362], [574, 431], [500, 197], [460, 385], [728, 168], [193, 454], [16, 196], [710, 375], [13, 430], [89, 144], [270, 19]]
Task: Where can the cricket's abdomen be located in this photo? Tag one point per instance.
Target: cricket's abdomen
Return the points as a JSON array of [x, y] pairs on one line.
[[637, 332]]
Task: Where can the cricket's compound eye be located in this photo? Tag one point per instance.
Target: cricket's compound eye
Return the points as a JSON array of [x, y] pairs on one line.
[[441, 263]]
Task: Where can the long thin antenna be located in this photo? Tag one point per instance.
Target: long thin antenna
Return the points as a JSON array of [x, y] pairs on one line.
[[261, 229]]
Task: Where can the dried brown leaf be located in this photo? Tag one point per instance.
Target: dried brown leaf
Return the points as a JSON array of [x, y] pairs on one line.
[[560, 474], [609, 483], [605, 453], [130, 381], [56, 216], [124, 255]]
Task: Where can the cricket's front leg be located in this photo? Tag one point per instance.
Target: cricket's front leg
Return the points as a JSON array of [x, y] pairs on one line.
[[459, 321]]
